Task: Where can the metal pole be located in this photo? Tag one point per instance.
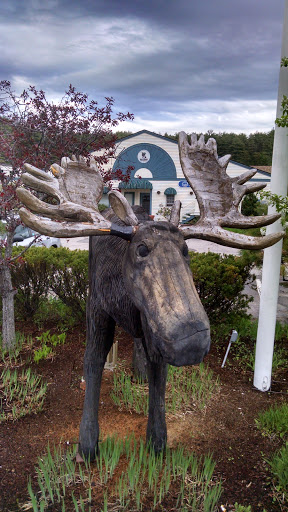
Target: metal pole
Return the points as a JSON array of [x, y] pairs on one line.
[[272, 255], [233, 337]]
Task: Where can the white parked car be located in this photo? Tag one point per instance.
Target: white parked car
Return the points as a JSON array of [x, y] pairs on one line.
[[23, 236]]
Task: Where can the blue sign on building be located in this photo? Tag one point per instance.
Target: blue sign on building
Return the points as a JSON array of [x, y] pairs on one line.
[[183, 183]]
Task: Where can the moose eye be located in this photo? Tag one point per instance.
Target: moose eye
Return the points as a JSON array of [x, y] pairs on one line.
[[185, 250], [142, 250]]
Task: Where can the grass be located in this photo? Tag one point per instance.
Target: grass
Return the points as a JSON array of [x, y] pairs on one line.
[[247, 231], [187, 387], [243, 350], [126, 476], [279, 469], [274, 421], [246, 356], [190, 386], [13, 356], [241, 508], [24, 347], [20, 394]]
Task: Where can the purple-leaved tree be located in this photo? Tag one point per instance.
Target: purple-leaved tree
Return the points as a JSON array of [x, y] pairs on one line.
[[36, 130]]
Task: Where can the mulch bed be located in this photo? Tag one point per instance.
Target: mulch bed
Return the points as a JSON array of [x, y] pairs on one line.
[[226, 427]]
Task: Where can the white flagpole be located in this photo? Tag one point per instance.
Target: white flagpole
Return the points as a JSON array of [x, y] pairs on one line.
[[272, 255]]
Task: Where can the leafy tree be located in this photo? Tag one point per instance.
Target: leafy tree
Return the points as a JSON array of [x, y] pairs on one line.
[[283, 119], [250, 205], [36, 130], [122, 134], [280, 202], [254, 149]]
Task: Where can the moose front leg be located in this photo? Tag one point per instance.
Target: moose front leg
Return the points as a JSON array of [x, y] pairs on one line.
[[156, 432], [100, 334]]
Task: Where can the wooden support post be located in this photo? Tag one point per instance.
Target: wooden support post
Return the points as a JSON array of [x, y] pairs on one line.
[[112, 357]]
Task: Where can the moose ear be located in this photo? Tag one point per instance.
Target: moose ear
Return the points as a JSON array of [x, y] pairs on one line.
[[122, 208], [175, 213]]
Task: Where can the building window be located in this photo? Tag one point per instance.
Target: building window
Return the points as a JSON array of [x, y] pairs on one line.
[[130, 196], [170, 199]]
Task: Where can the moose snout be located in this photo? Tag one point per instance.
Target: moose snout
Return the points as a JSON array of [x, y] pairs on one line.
[[188, 350], [187, 344]]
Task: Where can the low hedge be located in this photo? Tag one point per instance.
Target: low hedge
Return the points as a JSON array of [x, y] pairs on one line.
[[41, 272], [219, 280]]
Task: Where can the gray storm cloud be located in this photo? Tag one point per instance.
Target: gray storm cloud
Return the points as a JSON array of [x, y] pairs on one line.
[[160, 60]]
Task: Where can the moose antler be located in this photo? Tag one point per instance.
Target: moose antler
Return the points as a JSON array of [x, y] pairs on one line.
[[78, 189], [219, 196]]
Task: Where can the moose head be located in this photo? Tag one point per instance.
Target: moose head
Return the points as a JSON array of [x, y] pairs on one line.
[[139, 271]]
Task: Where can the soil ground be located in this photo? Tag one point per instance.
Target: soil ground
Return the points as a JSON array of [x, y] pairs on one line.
[[226, 427]]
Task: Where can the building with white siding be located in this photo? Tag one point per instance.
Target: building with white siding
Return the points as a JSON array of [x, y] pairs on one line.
[[157, 178]]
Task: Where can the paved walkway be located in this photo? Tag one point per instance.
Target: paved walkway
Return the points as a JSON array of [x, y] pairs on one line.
[[76, 243], [204, 246], [282, 307]]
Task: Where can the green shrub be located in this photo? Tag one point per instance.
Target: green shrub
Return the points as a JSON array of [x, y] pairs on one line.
[[220, 282], [52, 310], [102, 207], [285, 246], [48, 342], [249, 205], [41, 271], [31, 277], [253, 257], [69, 279]]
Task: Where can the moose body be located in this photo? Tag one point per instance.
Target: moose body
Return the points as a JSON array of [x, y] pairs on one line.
[[146, 287], [139, 271]]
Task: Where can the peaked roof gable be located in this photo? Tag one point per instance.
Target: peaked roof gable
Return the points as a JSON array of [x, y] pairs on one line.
[[148, 133], [263, 169]]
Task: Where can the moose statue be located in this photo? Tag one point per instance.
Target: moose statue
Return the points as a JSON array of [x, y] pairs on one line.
[[139, 269]]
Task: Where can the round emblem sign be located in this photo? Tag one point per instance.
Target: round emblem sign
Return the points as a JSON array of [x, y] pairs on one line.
[[143, 156], [183, 183]]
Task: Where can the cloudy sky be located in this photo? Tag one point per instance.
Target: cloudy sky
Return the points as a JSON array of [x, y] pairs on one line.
[[189, 65]]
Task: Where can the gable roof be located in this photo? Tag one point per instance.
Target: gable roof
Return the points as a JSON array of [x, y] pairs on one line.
[[149, 133], [263, 168]]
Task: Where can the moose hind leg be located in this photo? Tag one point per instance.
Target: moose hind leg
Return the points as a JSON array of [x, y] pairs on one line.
[[156, 432], [100, 334]]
